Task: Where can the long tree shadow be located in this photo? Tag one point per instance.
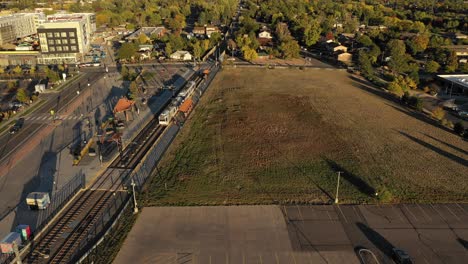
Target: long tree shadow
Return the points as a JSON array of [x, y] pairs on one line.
[[421, 117], [437, 150], [355, 180], [447, 144], [378, 240]]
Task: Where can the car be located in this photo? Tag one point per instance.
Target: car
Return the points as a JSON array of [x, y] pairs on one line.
[[17, 126], [120, 125], [109, 131], [463, 114], [400, 256]]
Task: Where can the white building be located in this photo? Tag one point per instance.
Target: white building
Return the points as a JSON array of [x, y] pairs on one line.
[[265, 35], [66, 38], [181, 55], [16, 26]]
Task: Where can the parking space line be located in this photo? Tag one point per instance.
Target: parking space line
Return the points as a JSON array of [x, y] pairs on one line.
[[357, 214], [435, 209], [243, 257], [422, 210], [329, 216], [346, 220], [463, 209], [398, 212], [261, 260], [422, 254], [411, 213], [293, 257], [300, 213], [456, 216], [276, 256]]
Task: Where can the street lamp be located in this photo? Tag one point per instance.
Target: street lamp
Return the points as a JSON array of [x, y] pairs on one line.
[[135, 206], [337, 187]]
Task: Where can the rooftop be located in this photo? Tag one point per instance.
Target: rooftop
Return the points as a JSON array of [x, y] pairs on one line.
[[147, 31], [460, 79]]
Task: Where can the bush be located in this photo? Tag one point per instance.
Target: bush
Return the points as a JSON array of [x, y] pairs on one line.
[[458, 128], [438, 113], [385, 196], [446, 123]]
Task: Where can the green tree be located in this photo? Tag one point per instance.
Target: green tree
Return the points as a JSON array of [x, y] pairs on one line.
[[395, 88], [22, 96], [17, 70], [289, 49], [2, 70], [418, 43], [143, 39], [197, 50], [438, 113], [133, 90], [127, 51], [365, 40], [311, 33], [452, 62], [282, 32], [52, 75], [12, 85], [365, 63], [168, 49], [398, 57], [432, 66], [249, 53]]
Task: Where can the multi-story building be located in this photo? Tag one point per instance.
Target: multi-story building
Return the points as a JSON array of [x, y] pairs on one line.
[[16, 26], [66, 38]]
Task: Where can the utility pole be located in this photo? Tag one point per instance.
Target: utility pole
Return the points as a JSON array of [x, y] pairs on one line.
[[337, 187]]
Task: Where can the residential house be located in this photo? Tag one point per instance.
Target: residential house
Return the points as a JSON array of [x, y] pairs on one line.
[[198, 30], [210, 30], [123, 109], [181, 55], [460, 50], [149, 32], [264, 34], [345, 57]]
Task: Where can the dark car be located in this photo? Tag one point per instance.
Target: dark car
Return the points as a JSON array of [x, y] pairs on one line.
[[18, 125], [401, 256]]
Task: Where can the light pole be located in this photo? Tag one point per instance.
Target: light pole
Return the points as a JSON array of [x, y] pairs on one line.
[[337, 187], [135, 206]]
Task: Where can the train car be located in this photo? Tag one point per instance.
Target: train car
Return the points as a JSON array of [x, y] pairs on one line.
[[166, 116], [188, 90]]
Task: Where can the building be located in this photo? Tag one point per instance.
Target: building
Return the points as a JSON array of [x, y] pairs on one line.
[[18, 58], [198, 30], [181, 55], [16, 26], [66, 38], [345, 57], [210, 30], [265, 35], [149, 32], [454, 85]]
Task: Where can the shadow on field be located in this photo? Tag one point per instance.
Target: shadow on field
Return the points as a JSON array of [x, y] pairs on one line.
[[447, 144], [377, 239], [360, 184], [367, 87], [436, 149], [420, 116], [463, 242]]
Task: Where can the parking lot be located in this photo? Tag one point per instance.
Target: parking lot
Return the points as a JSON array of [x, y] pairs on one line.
[[430, 233]]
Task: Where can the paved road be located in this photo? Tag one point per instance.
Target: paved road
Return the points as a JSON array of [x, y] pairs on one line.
[[57, 101], [430, 233]]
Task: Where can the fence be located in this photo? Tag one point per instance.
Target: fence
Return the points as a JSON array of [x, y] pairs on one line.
[[58, 201]]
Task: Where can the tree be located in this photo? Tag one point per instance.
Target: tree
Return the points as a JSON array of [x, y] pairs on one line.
[[432, 66], [282, 32], [61, 68], [197, 50], [452, 62], [395, 88], [365, 63], [12, 85], [438, 113], [2, 70], [133, 90], [289, 49], [176, 23], [52, 75], [249, 53], [127, 51], [418, 43], [22, 96], [143, 39], [311, 33], [398, 57], [17, 70], [365, 40], [168, 49]]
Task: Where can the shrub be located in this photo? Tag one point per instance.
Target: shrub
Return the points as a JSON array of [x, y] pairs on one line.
[[446, 123], [458, 128], [438, 113], [395, 88], [426, 89], [385, 196]]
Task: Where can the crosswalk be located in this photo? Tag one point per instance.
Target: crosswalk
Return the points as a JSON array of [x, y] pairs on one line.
[[48, 117]]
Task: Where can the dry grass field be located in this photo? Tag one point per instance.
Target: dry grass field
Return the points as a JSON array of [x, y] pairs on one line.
[[264, 136]]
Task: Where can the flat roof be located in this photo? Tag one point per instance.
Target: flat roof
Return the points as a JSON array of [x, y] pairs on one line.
[[460, 79]]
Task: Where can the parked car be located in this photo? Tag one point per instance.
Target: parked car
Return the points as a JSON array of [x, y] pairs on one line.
[[463, 114], [92, 152], [120, 125], [400, 256], [17, 126]]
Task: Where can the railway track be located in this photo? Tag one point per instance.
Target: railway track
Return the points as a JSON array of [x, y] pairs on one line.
[[85, 200]]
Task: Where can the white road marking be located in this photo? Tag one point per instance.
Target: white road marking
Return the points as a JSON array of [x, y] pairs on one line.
[[346, 220], [409, 211], [456, 216], [424, 212]]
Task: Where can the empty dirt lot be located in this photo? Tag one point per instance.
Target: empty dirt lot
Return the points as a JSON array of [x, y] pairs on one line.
[[264, 136]]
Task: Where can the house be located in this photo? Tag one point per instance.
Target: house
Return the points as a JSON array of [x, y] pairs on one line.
[[181, 55], [265, 42], [460, 50], [198, 30], [264, 35], [336, 47], [210, 30], [345, 57], [149, 32]]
